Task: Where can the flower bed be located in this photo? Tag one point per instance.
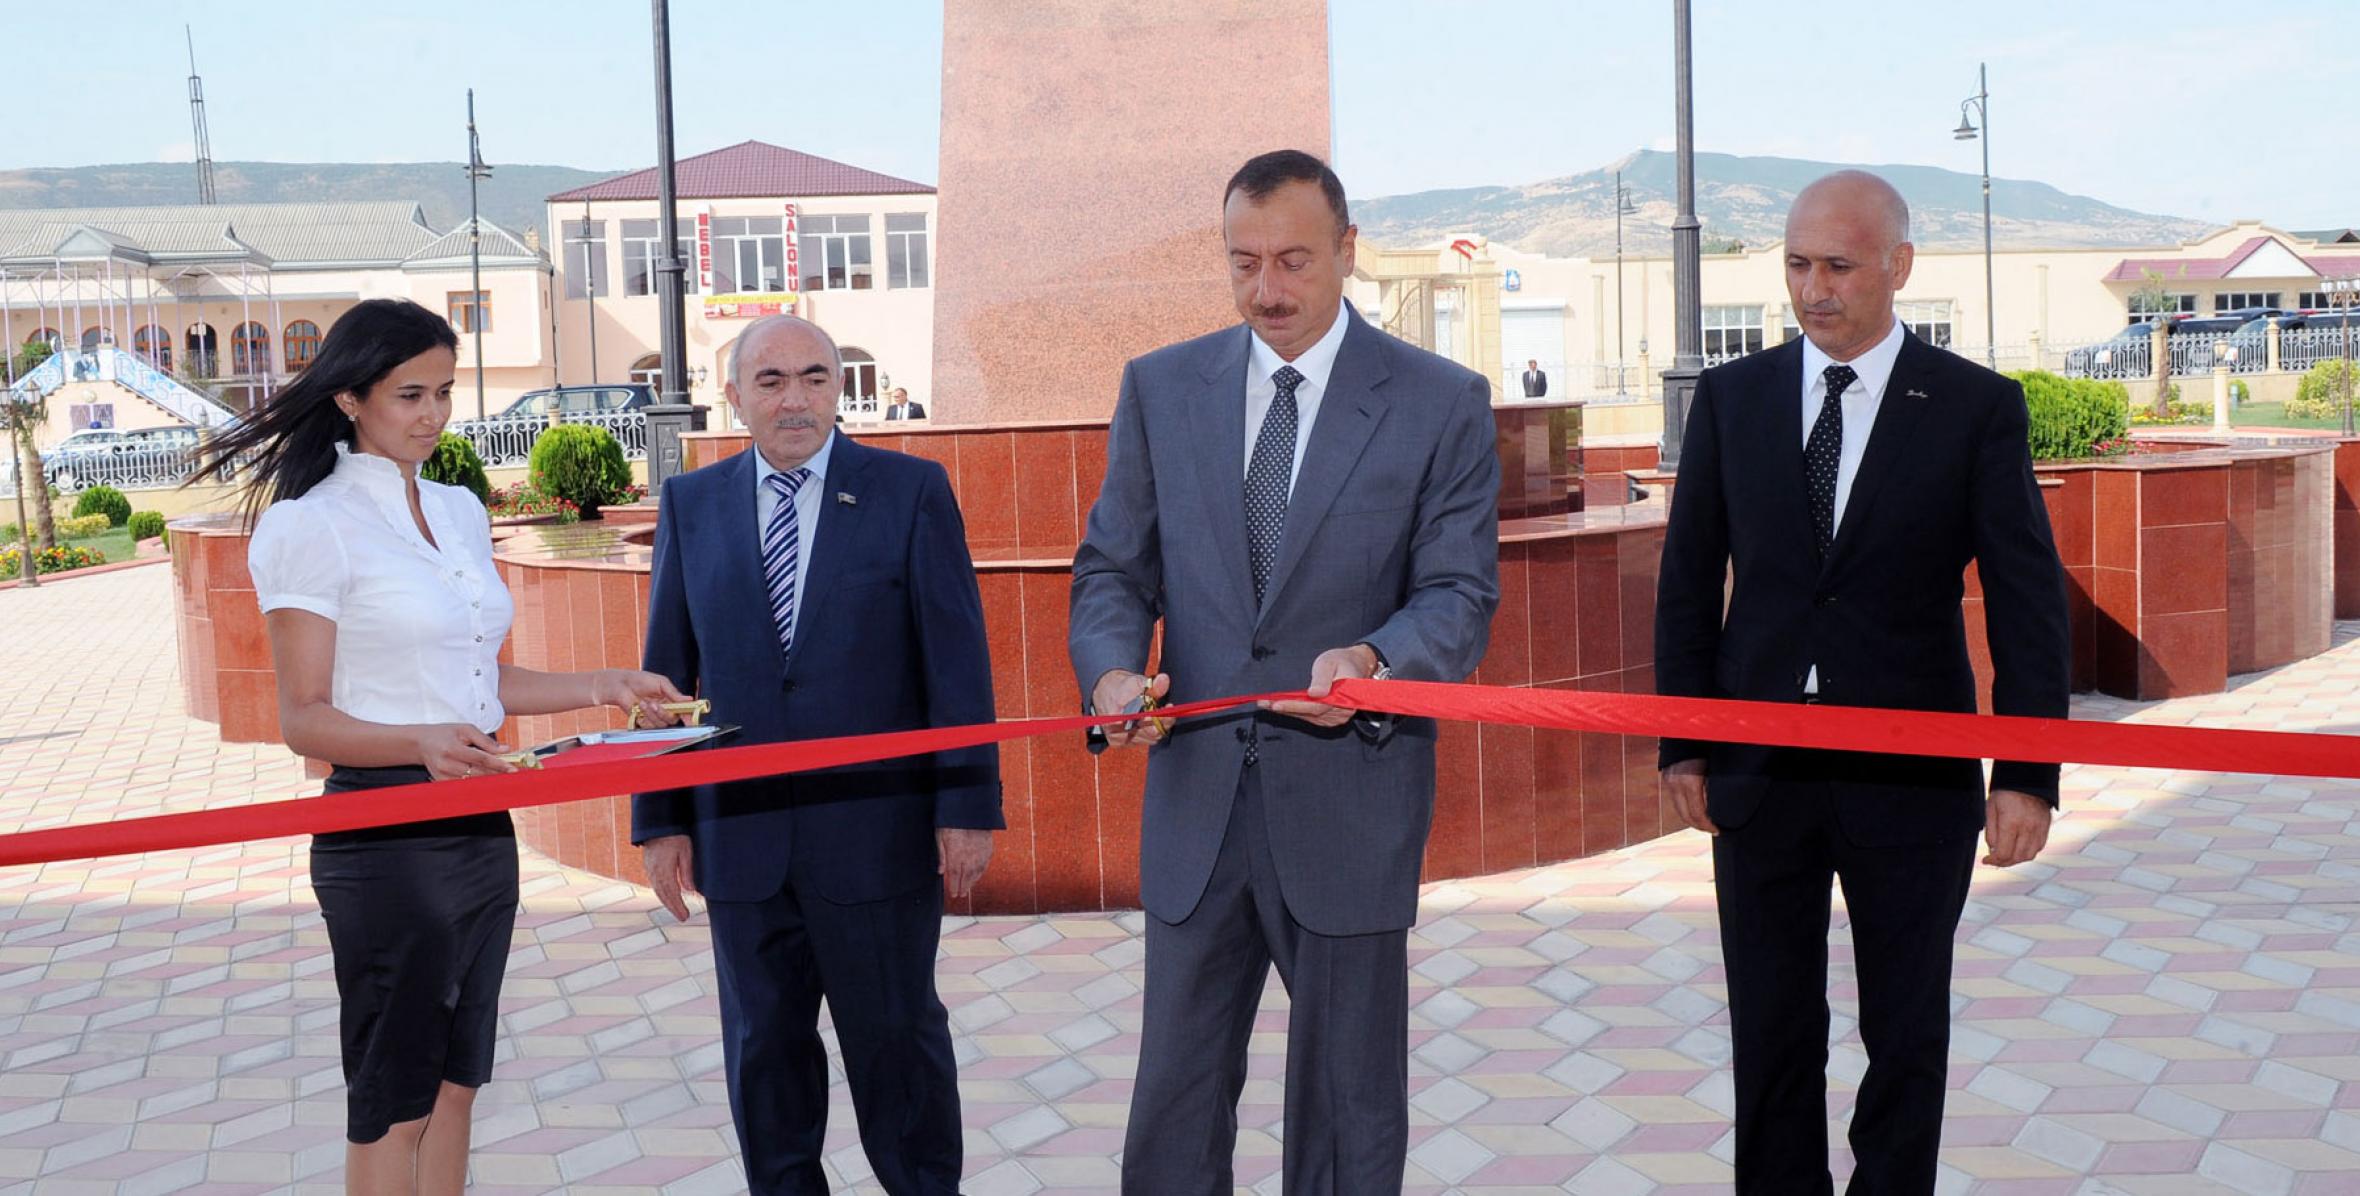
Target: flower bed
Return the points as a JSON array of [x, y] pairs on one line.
[[61, 559], [523, 500]]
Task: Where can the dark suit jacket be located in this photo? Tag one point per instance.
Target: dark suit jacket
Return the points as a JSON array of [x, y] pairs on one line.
[[917, 410], [1536, 384], [889, 638], [1945, 479], [1392, 538]]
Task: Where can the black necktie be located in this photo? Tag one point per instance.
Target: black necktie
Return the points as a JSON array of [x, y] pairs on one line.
[[1823, 455], [1269, 477]]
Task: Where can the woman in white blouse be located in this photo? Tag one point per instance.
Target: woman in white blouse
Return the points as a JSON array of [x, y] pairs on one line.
[[385, 618]]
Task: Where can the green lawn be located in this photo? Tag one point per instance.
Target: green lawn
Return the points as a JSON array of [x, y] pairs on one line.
[[114, 545], [2264, 415]]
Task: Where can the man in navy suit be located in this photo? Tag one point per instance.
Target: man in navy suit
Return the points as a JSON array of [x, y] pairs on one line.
[[1832, 492], [809, 588]]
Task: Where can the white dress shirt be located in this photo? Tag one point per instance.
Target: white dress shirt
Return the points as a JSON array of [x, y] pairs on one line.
[[418, 625], [1315, 364], [808, 500], [1860, 400]]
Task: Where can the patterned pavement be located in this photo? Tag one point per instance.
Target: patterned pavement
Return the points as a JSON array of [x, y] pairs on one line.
[[2168, 1002]]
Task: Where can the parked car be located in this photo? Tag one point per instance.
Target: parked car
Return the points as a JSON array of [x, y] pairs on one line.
[[2128, 353], [605, 399], [95, 455]]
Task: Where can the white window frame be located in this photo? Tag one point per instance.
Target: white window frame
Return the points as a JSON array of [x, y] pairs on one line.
[[860, 384], [590, 236], [740, 243], [2181, 303], [639, 256], [479, 310], [907, 266], [2222, 305], [837, 242], [1727, 322], [1930, 320]]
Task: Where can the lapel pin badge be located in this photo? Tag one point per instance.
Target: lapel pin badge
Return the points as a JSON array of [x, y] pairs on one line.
[[1913, 393], [847, 498]]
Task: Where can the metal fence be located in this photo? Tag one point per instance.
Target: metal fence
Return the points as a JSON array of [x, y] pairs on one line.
[[153, 468], [2303, 348], [505, 441]]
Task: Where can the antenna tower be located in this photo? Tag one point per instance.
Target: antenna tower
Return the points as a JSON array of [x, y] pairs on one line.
[[196, 113]]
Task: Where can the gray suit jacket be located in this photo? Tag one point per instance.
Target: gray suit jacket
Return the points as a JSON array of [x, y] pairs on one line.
[[1391, 539]]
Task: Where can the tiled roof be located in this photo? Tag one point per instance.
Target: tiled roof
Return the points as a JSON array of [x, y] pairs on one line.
[[750, 169], [499, 245], [2207, 269], [286, 234]]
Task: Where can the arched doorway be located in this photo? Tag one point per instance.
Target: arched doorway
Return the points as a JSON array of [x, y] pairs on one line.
[[152, 343], [860, 383], [202, 347], [648, 371]]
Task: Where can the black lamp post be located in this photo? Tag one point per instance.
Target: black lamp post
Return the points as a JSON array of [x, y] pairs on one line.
[[476, 171], [1966, 131], [1622, 207]]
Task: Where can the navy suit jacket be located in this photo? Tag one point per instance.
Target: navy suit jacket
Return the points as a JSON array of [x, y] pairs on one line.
[[889, 637], [1945, 479]]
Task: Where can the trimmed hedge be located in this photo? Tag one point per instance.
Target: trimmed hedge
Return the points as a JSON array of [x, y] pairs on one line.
[[2072, 416], [146, 525], [82, 527], [2320, 394], [582, 464], [455, 463], [104, 500]]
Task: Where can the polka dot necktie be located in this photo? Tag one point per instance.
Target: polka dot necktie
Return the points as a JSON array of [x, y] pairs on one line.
[[782, 548], [1268, 479], [1823, 454]]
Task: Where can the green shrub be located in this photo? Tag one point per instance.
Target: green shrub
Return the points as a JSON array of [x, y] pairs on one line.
[[104, 500], [2071, 416], [11, 534], [455, 463], [146, 525], [581, 464], [2320, 394], [82, 527]]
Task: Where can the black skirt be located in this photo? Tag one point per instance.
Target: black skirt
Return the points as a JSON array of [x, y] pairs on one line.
[[419, 920]]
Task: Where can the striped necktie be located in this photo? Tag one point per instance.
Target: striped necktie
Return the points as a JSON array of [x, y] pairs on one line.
[[782, 549]]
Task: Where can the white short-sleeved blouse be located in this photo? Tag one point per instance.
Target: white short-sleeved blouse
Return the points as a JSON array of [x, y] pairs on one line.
[[418, 627]]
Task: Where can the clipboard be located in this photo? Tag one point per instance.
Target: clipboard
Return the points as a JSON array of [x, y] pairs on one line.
[[606, 747]]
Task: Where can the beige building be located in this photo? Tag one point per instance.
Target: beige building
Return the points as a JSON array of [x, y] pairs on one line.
[[186, 314], [764, 229], [1563, 312]]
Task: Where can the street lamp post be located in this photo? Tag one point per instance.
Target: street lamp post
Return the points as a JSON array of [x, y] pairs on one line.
[[1622, 207], [2343, 298], [476, 171], [1966, 131], [1679, 382], [590, 283]]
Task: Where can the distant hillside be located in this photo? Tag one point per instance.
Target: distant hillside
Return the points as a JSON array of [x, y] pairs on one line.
[[512, 198], [1747, 199]]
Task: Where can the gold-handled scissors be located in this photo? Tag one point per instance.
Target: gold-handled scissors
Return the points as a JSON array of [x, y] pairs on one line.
[[1147, 704], [690, 712], [527, 758]]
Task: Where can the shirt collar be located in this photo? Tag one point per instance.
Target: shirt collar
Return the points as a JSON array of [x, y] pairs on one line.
[[1316, 362], [1875, 367], [378, 477], [818, 465]]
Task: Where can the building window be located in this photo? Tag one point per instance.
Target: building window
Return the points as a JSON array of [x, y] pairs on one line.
[[1927, 319], [860, 383], [2145, 308], [90, 415], [585, 258], [640, 242], [648, 371], [46, 336], [1732, 330], [749, 255], [2229, 301], [469, 311], [155, 345], [905, 249], [835, 254], [303, 344], [2313, 301], [95, 336], [249, 350]]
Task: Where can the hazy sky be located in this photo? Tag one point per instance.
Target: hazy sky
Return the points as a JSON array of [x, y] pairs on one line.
[[2190, 109]]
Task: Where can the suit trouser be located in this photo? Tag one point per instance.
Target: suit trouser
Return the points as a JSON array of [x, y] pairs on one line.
[[1772, 876], [874, 962], [1347, 1070]]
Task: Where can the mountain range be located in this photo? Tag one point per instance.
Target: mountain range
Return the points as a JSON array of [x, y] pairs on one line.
[[513, 197], [1745, 199], [1741, 199]]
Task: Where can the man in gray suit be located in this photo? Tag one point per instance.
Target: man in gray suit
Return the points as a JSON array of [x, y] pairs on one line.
[[1299, 500]]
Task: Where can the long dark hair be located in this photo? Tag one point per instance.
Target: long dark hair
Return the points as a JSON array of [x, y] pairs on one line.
[[287, 445]]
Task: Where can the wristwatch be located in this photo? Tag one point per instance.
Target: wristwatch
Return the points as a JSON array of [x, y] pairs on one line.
[[1384, 667]]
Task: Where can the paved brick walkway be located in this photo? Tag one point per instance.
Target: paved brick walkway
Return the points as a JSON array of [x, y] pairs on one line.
[[2169, 1002]]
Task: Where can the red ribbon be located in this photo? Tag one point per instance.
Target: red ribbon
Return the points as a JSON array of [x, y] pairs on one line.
[[2047, 740]]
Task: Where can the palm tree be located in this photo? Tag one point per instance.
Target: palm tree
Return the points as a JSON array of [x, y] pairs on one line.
[[23, 418]]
